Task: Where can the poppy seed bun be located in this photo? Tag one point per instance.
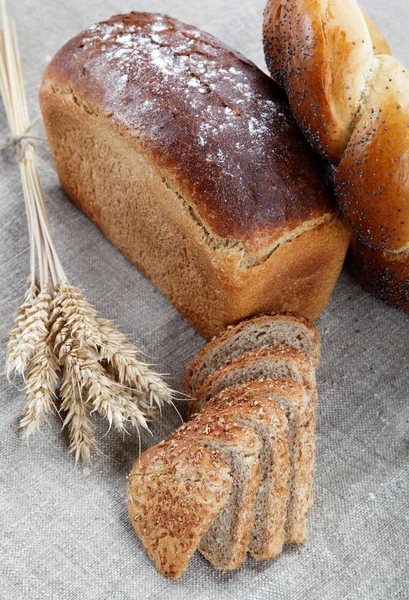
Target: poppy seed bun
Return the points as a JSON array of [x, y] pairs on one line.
[[372, 181], [384, 274], [326, 53], [322, 53]]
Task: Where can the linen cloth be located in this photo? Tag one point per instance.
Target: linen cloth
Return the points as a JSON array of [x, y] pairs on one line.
[[64, 530]]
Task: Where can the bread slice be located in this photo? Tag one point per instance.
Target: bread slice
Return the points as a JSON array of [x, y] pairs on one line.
[[260, 332], [268, 421], [225, 543], [175, 492], [268, 363], [294, 401]]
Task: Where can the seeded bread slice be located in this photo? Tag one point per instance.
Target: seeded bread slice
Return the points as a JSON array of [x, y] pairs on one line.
[[269, 422], [225, 543], [260, 332], [268, 363], [294, 401], [175, 492]]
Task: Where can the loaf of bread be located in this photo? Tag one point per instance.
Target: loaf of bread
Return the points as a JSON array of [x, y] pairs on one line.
[[251, 488], [188, 158], [351, 99]]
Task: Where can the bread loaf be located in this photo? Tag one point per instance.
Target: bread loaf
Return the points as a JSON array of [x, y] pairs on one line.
[[351, 99], [260, 431], [188, 158]]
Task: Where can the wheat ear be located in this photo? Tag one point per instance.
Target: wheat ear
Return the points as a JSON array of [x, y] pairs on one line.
[[56, 331]]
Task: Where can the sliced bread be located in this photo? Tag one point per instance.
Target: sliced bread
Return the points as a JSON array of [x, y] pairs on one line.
[[269, 422], [225, 543], [175, 492], [259, 332], [268, 363], [294, 401]]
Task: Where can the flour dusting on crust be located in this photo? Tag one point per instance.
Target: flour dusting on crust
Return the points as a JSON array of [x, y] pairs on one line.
[[217, 127]]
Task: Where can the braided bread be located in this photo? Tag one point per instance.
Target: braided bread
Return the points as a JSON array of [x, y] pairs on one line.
[[351, 98], [385, 274]]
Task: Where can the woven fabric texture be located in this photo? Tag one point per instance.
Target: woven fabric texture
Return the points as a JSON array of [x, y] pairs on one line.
[[64, 530]]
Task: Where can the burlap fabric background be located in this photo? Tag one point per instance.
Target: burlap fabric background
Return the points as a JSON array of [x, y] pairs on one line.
[[64, 531]]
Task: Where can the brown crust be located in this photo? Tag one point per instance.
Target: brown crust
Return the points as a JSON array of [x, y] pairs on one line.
[[172, 89], [384, 274], [175, 491], [232, 331]]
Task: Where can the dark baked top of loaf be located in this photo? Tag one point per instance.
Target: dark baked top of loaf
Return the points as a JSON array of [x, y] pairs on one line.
[[217, 127]]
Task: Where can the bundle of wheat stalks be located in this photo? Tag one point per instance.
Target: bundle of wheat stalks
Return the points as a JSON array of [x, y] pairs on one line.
[[57, 336]]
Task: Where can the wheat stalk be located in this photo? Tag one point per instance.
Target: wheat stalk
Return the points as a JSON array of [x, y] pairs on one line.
[[41, 380], [34, 330], [18, 327], [128, 369], [56, 331], [82, 440]]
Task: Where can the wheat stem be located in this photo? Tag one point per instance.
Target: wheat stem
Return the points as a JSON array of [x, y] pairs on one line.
[[56, 330], [82, 440]]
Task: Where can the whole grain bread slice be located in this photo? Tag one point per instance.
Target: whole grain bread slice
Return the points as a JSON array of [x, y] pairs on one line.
[[287, 329], [267, 363], [225, 543], [294, 401], [269, 422], [175, 492]]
